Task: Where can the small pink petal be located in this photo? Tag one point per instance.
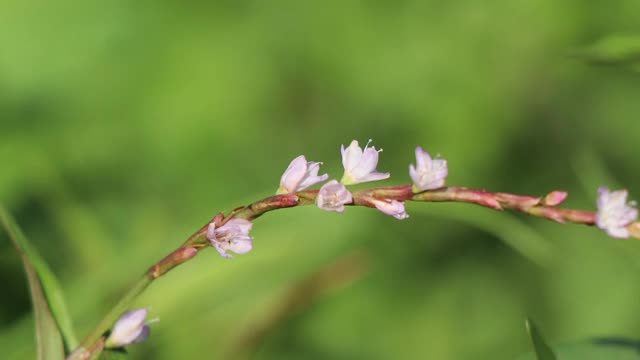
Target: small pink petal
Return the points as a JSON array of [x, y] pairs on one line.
[[294, 174], [367, 163], [233, 235], [422, 158], [428, 174], [351, 155], [614, 214], [129, 328], [221, 250], [144, 334], [299, 175], [211, 231], [391, 207], [243, 225], [241, 246], [360, 165], [333, 196]]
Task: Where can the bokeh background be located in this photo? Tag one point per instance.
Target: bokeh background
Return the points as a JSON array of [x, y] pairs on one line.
[[125, 126]]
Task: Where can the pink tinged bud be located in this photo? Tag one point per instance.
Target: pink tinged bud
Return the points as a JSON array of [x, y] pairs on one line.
[[614, 214], [428, 174], [333, 196], [360, 165], [391, 207], [188, 253], [233, 235], [129, 329], [555, 198], [300, 175]]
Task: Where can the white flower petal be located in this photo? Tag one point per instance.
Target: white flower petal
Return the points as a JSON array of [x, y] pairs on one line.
[[614, 214], [244, 226], [293, 175], [312, 177], [439, 168], [143, 335], [620, 232], [366, 165], [391, 207], [211, 232], [233, 235], [375, 176], [333, 196], [422, 158], [241, 246], [428, 174], [310, 181], [300, 175], [129, 329], [221, 249], [360, 165], [351, 155]]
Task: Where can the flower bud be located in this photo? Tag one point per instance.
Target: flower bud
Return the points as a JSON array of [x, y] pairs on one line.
[[129, 329], [391, 207], [555, 198]]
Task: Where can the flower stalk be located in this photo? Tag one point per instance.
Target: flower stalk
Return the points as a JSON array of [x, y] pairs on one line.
[[231, 231]]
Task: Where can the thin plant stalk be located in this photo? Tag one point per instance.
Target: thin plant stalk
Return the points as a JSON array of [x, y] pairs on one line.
[[543, 207]]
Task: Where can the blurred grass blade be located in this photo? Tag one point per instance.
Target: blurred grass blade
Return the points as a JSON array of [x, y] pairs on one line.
[[598, 349], [53, 323], [542, 350], [48, 339], [328, 278], [614, 50]]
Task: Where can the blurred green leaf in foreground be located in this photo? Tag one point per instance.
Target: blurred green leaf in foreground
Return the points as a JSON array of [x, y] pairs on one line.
[[53, 324]]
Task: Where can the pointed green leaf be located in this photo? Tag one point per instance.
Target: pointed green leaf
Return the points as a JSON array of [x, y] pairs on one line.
[[52, 318], [48, 338], [601, 349], [542, 350]]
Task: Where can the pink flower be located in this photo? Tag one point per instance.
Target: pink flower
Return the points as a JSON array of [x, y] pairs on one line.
[[300, 175], [360, 165], [391, 207], [333, 196], [129, 329], [614, 214], [233, 235], [428, 173]]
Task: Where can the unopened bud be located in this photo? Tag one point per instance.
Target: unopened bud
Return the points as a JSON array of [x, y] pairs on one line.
[[131, 328], [555, 198]]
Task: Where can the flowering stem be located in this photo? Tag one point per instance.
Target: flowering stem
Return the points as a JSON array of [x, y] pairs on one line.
[[530, 205], [544, 207], [172, 260]]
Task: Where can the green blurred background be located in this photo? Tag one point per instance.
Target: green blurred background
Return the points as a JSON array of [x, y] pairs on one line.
[[125, 126]]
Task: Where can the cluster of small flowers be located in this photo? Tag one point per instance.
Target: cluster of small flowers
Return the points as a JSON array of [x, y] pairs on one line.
[[359, 167], [613, 216]]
